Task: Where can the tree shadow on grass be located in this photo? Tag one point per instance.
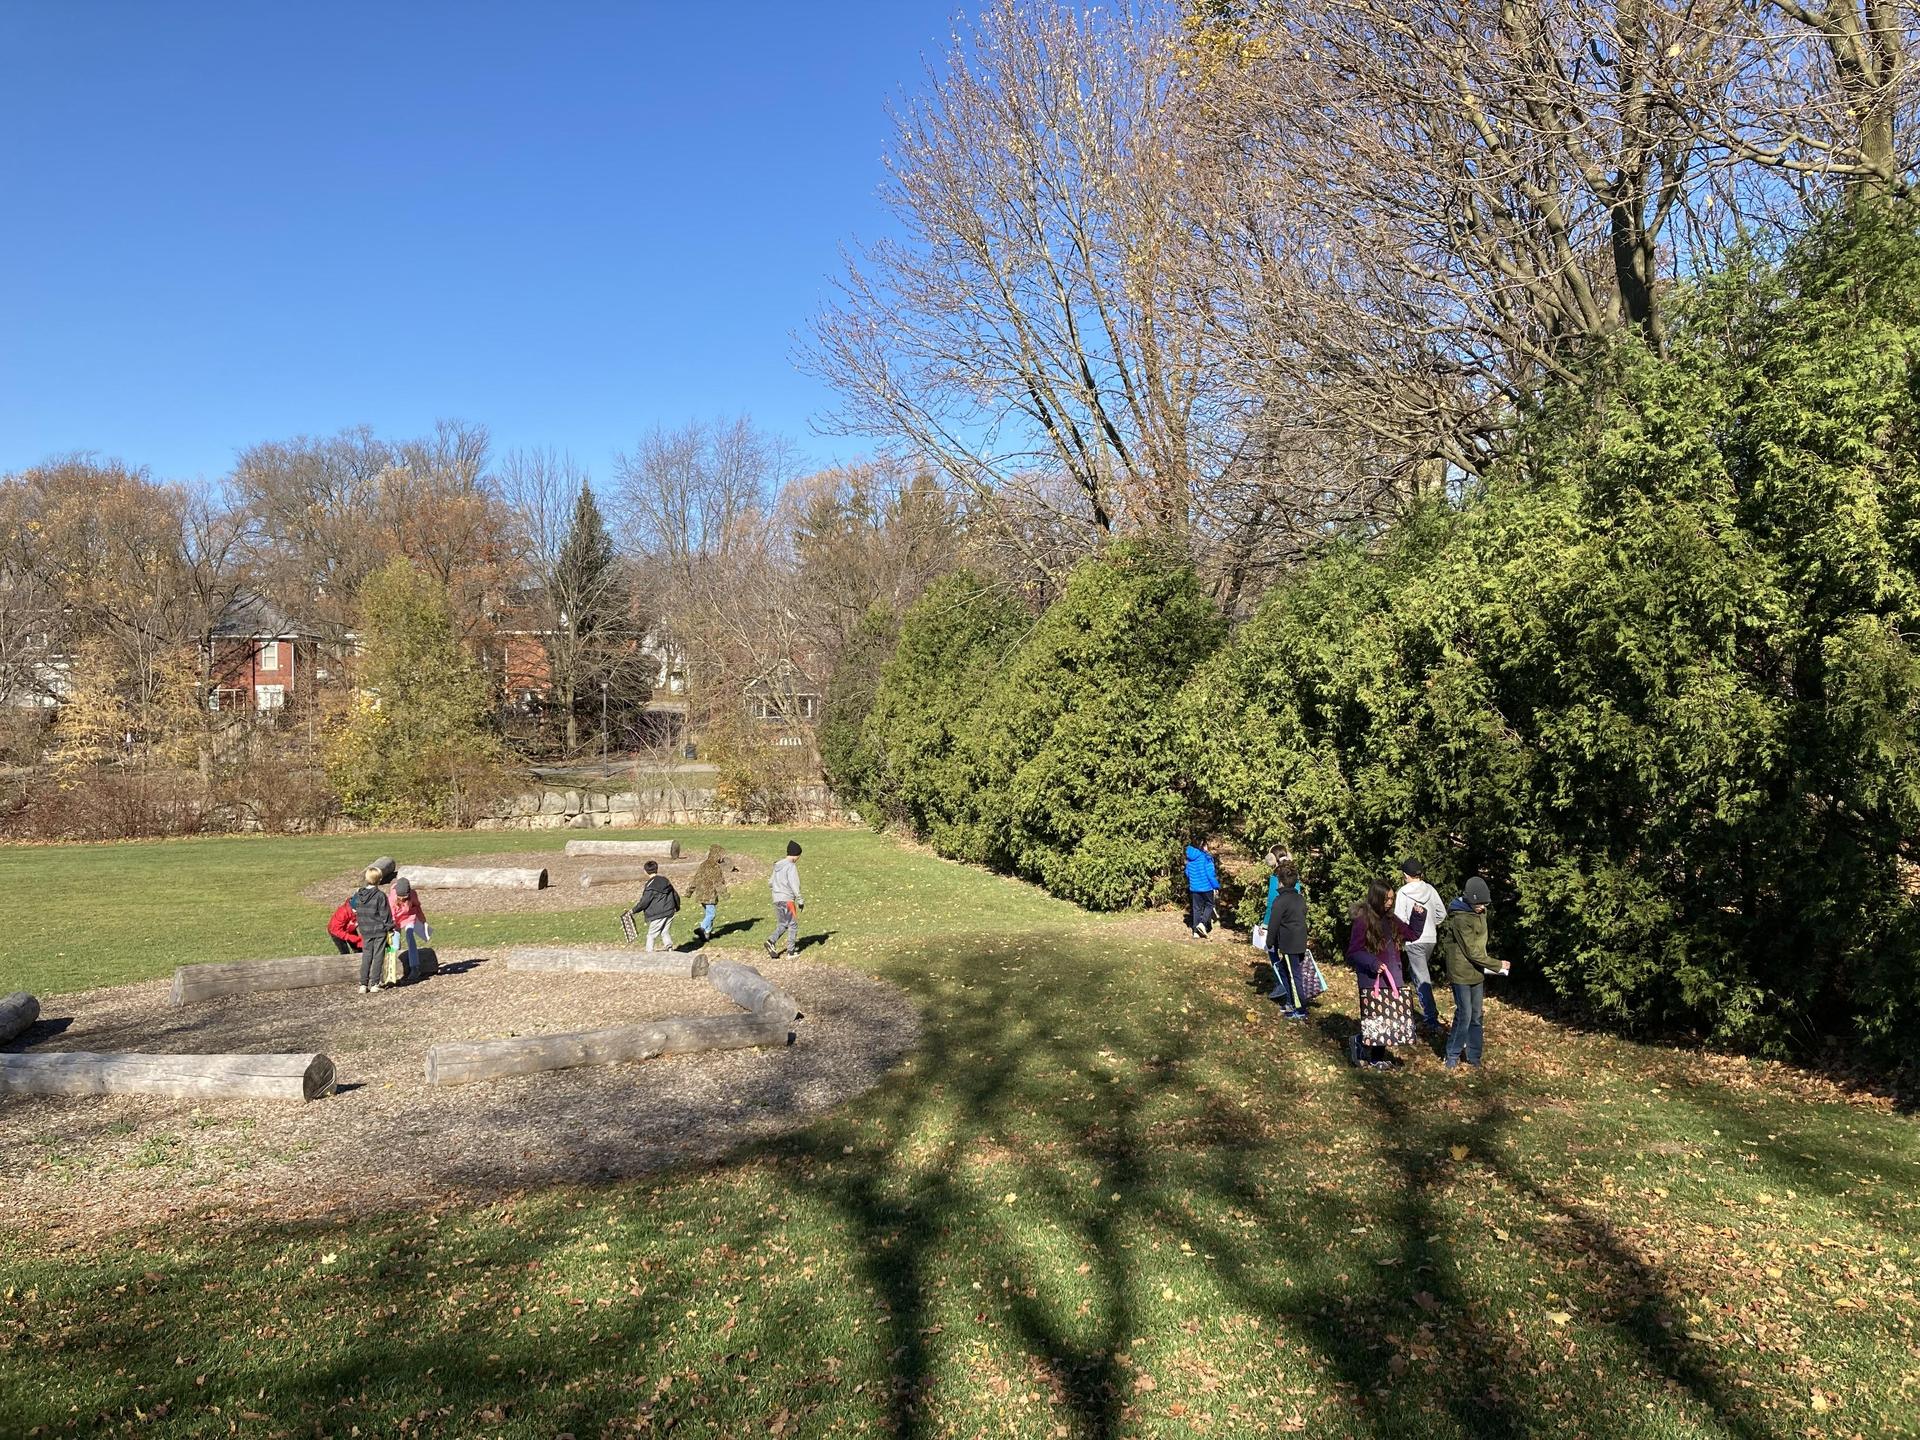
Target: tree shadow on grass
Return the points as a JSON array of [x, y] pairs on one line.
[[1068, 1145]]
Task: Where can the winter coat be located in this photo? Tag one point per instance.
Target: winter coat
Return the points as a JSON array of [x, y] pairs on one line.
[[708, 886], [372, 916], [1367, 964], [658, 899], [1286, 919], [786, 883], [1201, 875], [341, 926], [1463, 945]]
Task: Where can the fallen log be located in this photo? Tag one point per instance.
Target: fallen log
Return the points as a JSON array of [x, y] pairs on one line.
[[612, 877], [463, 1062], [244, 977], [636, 849], [17, 1012], [180, 1077], [751, 990], [388, 868], [610, 959], [456, 877]]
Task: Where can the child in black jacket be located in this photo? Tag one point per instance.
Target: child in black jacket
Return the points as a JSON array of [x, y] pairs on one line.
[[373, 918], [659, 902]]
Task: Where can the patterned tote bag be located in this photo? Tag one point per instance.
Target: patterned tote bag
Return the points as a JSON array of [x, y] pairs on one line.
[[1385, 1016]]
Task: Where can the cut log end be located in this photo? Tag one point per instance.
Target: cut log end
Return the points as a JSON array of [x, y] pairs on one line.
[[319, 1079], [17, 1014]]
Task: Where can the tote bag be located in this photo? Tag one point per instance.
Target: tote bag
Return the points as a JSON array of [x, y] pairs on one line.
[[1385, 1016]]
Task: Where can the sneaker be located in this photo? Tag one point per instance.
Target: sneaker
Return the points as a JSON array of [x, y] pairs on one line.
[[1452, 1064], [1296, 1015], [364, 990], [1380, 1064]]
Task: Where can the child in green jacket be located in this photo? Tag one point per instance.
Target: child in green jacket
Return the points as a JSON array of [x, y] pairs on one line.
[[1462, 946]]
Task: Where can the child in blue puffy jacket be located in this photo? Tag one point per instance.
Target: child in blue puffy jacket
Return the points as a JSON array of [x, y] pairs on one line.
[[1203, 885]]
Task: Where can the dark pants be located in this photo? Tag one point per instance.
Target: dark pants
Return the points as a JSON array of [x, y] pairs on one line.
[[1200, 905], [1288, 972], [1469, 1002], [345, 947], [372, 953]]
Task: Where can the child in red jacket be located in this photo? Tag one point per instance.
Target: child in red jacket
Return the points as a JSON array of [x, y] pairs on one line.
[[343, 930]]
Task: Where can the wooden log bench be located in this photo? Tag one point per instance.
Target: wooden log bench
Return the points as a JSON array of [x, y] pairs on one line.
[[463, 1062], [244, 977], [751, 990], [604, 959], [180, 1077], [631, 849], [461, 877], [612, 877], [18, 1011]]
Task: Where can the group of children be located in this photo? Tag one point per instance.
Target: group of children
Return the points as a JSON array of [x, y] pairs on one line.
[[659, 902], [1390, 925], [387, 933]]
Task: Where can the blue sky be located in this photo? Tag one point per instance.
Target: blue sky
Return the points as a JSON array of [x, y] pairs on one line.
[[234, 223]]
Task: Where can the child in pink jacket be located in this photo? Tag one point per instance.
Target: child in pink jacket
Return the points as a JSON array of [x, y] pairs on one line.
[[410, 923]]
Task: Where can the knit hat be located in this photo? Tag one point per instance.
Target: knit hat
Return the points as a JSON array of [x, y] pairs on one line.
[[403, 886], [1411, 866], [793, 847], [1476, 892]]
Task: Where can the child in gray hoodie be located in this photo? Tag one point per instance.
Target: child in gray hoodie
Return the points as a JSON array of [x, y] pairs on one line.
[[787, 903]]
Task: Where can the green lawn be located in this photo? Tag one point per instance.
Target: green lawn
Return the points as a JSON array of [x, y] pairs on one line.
[[1113, 1194]]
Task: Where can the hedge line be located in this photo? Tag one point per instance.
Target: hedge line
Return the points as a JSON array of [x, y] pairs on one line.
[[1657, 679]]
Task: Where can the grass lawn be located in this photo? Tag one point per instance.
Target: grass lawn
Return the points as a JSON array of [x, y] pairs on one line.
[[1114, 1194]]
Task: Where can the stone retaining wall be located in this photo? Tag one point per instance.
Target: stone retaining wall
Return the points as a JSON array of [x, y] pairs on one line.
[[647, 808]]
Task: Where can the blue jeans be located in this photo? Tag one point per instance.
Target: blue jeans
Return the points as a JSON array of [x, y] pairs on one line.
[[1467, 1037], [1417, 954], [706, 918]]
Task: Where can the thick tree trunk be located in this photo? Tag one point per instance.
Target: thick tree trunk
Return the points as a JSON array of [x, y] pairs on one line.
[[180, 1077], [244, 977], [609, 959], [17, 1012], [751, 990], [461, 1063], [634, 849], [453, 877]]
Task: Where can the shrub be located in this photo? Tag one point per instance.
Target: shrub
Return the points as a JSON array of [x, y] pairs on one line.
[[1081, 780], [1657, 683], [848, 755], [952, 641]]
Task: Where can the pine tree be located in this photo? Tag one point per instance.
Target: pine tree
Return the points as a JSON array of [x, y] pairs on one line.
[[591, 604]]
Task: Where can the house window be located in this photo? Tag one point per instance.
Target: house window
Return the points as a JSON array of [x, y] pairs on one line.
[[809, 707], [269, 697], [270, 655]]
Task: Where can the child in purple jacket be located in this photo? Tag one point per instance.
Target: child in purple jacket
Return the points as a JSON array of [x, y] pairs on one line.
[[1373, 947]]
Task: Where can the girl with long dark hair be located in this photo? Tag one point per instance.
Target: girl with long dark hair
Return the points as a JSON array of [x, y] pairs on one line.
[[1373, 949]]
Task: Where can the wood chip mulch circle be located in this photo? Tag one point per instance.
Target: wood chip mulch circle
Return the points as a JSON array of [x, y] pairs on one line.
[[101, 1163]]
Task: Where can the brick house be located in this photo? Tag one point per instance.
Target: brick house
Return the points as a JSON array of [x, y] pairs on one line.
[[263, 661]]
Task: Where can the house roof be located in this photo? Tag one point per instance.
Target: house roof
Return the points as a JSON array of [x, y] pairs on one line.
[[250, 615]]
